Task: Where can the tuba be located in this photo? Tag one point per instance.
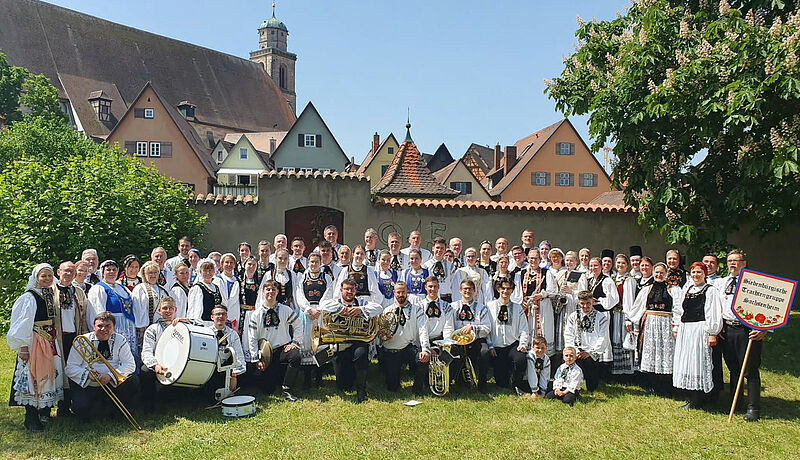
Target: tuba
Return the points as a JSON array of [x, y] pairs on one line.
[[88, 352], [336, 329], [439, 368]]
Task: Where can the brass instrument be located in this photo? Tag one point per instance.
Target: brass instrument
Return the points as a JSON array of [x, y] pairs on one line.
[[335, 329], [88, 352], [468, 369], [439, 368]]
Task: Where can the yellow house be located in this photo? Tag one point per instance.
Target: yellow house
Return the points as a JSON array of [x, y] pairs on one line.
[[552, 164], [458, 176], [379, 158]]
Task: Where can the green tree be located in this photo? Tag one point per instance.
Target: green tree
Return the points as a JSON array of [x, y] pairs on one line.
[[19, 88], [701, 102], [65, 193]]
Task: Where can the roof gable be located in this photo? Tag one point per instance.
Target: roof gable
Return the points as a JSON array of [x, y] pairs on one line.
[[527, 148], [228, 91], [408, 176], [371, 156], [309, 115], [233, 160], [440, 158], [188, 133]]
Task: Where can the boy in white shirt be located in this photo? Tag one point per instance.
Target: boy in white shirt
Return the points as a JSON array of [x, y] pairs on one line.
[[569, 377]]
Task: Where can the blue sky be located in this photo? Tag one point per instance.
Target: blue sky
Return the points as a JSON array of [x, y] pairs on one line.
[[470, 71]]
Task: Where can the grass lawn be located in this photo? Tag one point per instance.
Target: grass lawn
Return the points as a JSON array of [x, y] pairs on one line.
[[617, 421]]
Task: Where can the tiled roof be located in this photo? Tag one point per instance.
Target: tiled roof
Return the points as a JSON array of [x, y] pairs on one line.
[[371, 155], [615, 197], [315, 175], [211, 199], [259, 140], [442, 174], [526, 150], [506, 205], [408, 176], [483, 155], [228, 91]]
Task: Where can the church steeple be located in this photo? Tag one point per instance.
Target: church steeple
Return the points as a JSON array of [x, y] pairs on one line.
[[274, 57]]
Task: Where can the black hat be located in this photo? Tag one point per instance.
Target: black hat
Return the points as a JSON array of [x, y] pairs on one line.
[[635, 251], [606, 253]]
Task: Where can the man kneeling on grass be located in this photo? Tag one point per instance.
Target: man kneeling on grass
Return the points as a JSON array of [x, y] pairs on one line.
[[569, 378]]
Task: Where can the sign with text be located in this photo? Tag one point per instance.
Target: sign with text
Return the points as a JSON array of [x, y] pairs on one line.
[[763, 301]]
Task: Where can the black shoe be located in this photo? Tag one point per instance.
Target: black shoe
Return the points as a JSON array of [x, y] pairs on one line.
[[289, 396], [361, 396], [63, 412], [44, 415], [688, 406], [752, 415], [32, 422], [519, 392]]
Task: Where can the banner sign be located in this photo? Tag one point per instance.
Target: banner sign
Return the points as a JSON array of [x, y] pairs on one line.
[[763, 302]]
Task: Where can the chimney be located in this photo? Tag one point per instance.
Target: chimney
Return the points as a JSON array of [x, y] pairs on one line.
[[497, 155], [511, 158], [376, 142]]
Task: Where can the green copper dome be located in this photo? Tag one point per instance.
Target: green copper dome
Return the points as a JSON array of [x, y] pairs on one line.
[[273, 23]]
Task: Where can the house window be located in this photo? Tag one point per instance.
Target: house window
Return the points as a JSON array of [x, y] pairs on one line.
[[272, 144], [148, 113], [541, 178], [384, 168], [565, 148], [242, 154], [141, 149], [307, 170], [155, 149], [588, 180], [243, 180], [465, 188], [282, 76], [391, 150], [219, 156], [104, 110], [565, 179], [310, 140]]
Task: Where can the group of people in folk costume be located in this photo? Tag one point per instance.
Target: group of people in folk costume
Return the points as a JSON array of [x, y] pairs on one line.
[[544, 320]]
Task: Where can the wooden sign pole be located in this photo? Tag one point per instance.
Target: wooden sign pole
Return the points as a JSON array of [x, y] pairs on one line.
[[741, 378]]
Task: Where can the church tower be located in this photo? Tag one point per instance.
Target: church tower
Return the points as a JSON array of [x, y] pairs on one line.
[[274, 57]]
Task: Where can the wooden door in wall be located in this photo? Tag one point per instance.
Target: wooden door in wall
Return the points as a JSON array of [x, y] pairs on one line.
[[309, 222]]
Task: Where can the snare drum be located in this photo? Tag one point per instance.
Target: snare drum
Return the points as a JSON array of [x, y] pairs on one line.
[[239, 406], [189, 353]]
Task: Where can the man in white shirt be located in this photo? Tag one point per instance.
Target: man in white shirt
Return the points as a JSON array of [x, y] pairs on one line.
[[88, 400], [402, 347], [298, 263], [399, 259], [166, 277], [442, 269], [456, 245], [414, 242], [331, 235], [527, 241], [371, 247], [278, 324], [184, 246], [587, 332], [509, 337], [351, 364]]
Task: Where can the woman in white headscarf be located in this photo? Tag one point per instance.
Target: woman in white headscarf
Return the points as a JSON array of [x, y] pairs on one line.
[[38, 382]]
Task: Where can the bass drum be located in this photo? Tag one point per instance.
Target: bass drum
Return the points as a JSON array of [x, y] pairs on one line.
[[189, 353]]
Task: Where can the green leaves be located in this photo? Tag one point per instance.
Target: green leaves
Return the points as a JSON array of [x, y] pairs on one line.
[[671, 81], [61, 193]]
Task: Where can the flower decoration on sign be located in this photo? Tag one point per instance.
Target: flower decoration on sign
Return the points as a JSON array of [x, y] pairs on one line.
[[758, 320]]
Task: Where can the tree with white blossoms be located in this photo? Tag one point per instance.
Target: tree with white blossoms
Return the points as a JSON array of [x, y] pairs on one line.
[[701, 102]]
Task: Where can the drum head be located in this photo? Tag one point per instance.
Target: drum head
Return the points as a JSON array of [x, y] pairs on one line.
[[172, 351], [234, 401]]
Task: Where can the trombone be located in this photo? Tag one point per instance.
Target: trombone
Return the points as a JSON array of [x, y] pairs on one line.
[[86, 349]]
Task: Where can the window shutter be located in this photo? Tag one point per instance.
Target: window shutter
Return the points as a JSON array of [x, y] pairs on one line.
[[571, 179], [571, 148], [319, 141], [130, 147], [533, 178], [580, 182], [594, 180], [138, 113], [469, 188], [547, 179], [166, 150], [301, 140]]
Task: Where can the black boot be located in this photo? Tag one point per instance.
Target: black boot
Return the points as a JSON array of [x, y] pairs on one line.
[[32, 422], [63, 406], [753, 400], [44, 415], [361, 386], [287, 394]]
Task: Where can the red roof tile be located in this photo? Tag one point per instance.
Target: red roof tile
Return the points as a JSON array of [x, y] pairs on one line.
[[505, 205], [407, 175]]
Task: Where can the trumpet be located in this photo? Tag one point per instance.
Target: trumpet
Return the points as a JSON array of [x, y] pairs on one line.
[[88, 352]]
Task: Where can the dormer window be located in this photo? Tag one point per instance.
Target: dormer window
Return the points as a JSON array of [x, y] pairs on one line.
[[101, 104], [149, 113], [186, 109]]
